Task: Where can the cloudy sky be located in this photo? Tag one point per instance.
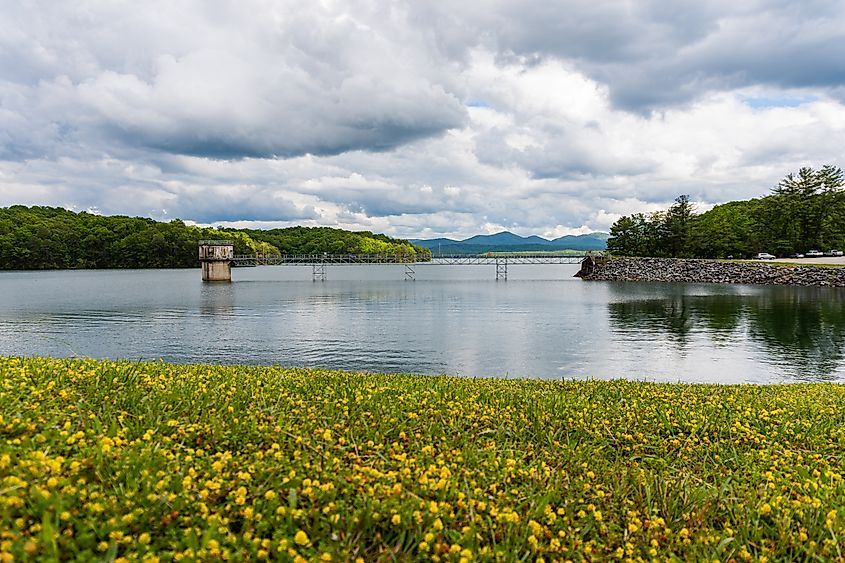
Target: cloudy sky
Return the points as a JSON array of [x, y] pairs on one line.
[[414, 118]]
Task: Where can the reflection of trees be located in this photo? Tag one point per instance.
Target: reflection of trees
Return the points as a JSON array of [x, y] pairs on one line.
[[668, 317], [673, 312], [802, 329], [722, 315]]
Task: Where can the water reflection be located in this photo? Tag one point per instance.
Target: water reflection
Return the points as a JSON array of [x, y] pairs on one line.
[[217, 299], [801, 331], [806, 329], [457, 324]]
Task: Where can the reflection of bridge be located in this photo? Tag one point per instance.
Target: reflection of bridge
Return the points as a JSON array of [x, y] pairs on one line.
[[318, 262]]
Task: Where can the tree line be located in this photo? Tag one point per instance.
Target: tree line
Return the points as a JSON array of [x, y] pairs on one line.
[[806, 210], [316, 240], [34, 238]]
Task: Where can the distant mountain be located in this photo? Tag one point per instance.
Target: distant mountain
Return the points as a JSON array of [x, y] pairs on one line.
[[509, 242], [505, 238], [590, 241]]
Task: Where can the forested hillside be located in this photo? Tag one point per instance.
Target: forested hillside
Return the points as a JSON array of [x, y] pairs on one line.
[[316, 240], [804, 211], [52, 237]]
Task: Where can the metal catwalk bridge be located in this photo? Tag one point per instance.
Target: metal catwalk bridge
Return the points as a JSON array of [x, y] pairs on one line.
[[318, 262]]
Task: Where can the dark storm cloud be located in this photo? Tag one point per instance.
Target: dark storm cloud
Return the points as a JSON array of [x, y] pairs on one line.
[[327, 80], [297, 80], [207, 209], [379, 199]]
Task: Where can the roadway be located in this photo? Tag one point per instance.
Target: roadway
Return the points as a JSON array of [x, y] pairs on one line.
[[832, 260]]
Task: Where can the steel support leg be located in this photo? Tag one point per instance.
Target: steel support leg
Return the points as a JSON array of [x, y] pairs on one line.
[[501, 269], [318, 271]]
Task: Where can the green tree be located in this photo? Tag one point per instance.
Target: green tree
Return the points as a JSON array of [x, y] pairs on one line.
[[677, 226], [726, 230], [805, 210], [624, 237], [52, 237], [800, 214]]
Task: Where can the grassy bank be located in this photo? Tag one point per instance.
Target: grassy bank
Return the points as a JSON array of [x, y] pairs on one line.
[[114, 460]]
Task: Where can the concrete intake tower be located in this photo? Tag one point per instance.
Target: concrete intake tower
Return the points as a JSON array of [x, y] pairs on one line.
[[216, 259]]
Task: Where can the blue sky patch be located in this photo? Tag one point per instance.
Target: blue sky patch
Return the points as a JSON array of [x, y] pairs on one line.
[[775, 101], [477, 104]]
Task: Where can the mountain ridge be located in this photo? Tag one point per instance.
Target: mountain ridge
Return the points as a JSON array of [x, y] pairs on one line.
[[507, 241]]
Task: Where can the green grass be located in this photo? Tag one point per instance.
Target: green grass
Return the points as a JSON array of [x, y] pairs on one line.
[[810, 264], [105, 460]]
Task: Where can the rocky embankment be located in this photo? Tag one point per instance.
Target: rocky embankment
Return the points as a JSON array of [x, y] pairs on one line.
[[708, 271]]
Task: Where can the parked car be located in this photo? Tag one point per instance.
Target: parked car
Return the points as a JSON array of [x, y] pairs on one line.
[[796, 255], [833, 252], [814, 253], [764, 256]]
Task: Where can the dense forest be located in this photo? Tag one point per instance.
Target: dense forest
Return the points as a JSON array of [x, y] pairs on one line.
[[316, 240], [33, 238], [804, 211]]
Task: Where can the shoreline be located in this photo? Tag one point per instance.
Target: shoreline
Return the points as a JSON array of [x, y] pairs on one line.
[[684, 270]]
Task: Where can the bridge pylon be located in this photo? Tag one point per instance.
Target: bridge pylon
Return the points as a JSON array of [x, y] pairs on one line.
[[318, 271], [501, 269]]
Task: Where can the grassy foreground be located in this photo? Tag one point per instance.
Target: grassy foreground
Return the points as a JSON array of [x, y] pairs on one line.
[[104, 460]]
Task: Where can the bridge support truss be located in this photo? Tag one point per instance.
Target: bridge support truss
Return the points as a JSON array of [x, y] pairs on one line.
[[318, 271], [501, 269], [318, 262]]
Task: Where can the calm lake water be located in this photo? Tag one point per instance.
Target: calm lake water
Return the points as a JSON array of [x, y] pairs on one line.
[[541, 323]]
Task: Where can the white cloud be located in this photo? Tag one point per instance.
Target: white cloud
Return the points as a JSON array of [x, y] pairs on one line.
[[414, 119]]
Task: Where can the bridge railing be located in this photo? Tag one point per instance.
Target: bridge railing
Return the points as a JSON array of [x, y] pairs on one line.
[[454, 259], [331, 258], [218, 242]]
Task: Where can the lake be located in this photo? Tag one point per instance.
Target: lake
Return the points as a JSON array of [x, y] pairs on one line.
[[541, 323]]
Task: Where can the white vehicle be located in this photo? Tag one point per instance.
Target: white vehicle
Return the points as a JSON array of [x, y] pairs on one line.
[[764, 256], [814, 253], [833, 252]]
